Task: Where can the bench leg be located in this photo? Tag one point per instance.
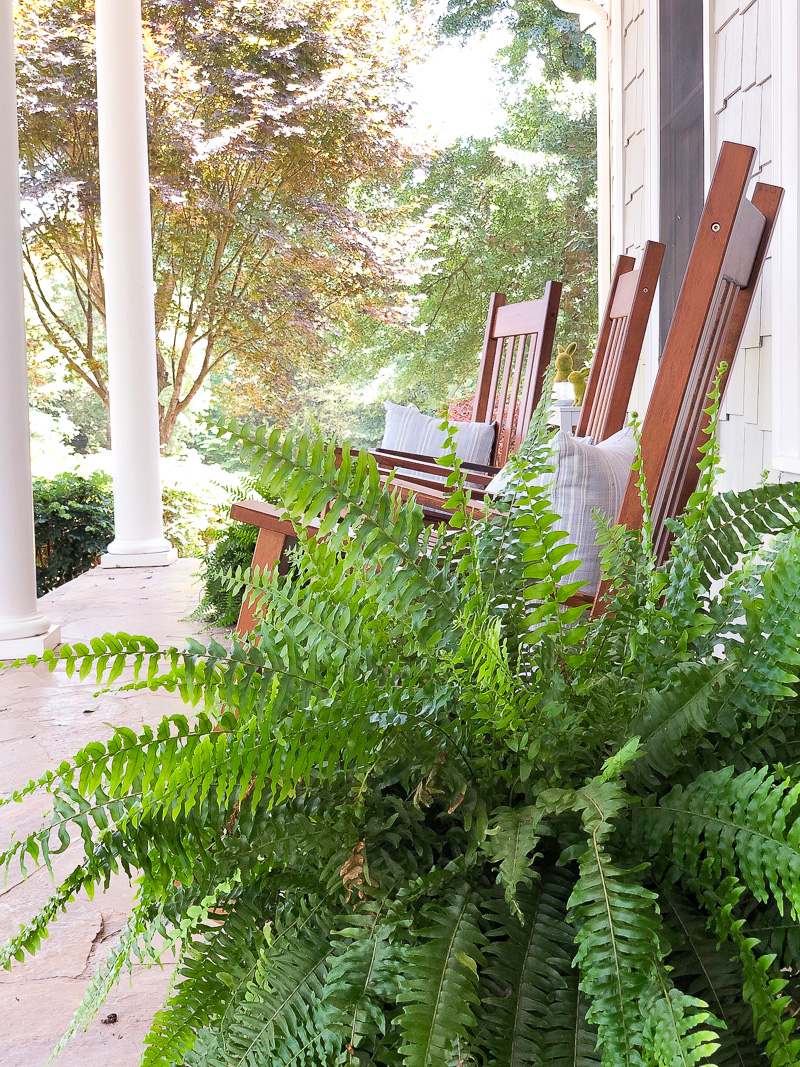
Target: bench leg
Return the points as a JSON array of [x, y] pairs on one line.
[[267, 553]]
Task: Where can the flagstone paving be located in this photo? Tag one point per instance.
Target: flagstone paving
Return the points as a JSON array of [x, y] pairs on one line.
[[43, 718]]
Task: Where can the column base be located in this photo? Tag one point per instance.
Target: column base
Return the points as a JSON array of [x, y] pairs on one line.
[[20, 647], [138, 559]]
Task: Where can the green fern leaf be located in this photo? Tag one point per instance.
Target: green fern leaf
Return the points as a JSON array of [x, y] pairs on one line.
[[617, 952], [703, 968], [511, 842], [734, 824], [674, 714], [442, 985], [735, 523], [535, 1014], [763, 989], [363, 979], [282, 1017]]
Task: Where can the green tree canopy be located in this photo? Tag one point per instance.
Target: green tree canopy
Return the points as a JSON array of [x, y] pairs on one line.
[[538, 27], [494, 215]]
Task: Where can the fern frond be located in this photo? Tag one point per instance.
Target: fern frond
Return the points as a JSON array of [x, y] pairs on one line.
[[215, 963], [736, 523], [511, 842], [675, 715], [704, 968], [639, 1017], [766, 655], [343, 490], [535, 1013], [734, 824], [441, 991], [617, 952], [148, 938], [30, 935], [762, 989], [281, 1017], [364, 978], [675, 1030]]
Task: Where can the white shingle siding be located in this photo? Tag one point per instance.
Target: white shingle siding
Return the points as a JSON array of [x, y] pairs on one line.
[[724, 10], [633, 162], [742, 103]]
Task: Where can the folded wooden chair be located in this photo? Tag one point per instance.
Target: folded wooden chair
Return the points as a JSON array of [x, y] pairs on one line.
[[723, 272], [721, 277]]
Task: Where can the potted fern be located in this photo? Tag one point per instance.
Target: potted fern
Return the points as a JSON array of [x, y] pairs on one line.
[[430, 817]]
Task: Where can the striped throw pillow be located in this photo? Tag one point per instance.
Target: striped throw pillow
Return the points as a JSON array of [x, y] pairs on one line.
[[587, 477], [408, 430]]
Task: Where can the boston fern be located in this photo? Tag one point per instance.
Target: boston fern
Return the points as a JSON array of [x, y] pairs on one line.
[[432, 815]]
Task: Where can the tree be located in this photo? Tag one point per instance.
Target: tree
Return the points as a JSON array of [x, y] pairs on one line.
[[431, 816], [261, 121], [504, 214], [537, 26]]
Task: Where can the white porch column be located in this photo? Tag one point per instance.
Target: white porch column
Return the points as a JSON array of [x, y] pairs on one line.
[[24, 630], [128, 273]]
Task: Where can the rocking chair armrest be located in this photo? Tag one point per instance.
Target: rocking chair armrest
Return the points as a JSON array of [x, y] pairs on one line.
[[478, 473], [265, 516], [427, 490]]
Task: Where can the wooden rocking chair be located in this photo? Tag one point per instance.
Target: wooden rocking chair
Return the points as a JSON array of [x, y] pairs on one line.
[[517, 348], [509, 336], [721, 277]]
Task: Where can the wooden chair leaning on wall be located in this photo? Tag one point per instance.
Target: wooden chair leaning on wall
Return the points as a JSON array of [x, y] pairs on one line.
[[608, 389], [723, 273], [614, 365], [721, 278]]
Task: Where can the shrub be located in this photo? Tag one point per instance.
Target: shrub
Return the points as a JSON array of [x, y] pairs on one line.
[[231, 550], [431, 816], [73, 525]]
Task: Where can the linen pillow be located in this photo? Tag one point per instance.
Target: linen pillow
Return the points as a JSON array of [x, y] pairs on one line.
[[408, 430], [586, 477]]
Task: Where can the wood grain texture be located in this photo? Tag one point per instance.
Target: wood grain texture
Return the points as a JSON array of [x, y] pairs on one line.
[[619, 344]]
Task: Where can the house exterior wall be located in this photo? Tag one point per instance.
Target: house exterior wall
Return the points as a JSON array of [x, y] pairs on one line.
[[741, 101], [739, 93], [632, 171], [631, 208]]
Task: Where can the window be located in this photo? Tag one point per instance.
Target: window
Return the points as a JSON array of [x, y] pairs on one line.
[[682, 142]]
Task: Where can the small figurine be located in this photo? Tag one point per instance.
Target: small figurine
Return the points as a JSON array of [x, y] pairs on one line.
[[578, 379], [564, 362]]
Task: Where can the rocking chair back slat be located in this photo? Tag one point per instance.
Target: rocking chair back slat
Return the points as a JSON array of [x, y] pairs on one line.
[[723, 272], [517, 346], [619, 344]]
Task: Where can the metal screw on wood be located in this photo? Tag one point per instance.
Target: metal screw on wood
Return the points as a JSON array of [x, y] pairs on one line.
[[645, 289], [715, 226]]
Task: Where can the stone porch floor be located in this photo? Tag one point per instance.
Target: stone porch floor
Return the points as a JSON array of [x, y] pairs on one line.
[[43, 718]]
